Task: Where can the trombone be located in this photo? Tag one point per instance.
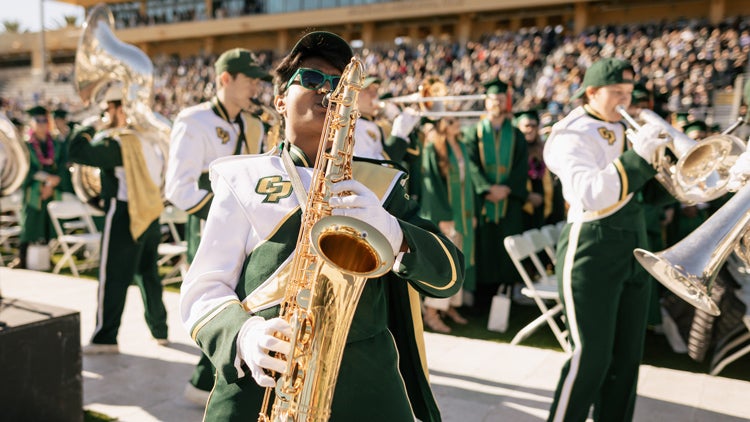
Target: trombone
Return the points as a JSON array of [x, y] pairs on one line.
[[418, 99]]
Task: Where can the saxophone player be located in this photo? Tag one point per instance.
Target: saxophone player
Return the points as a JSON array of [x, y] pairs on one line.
[[231, 295]]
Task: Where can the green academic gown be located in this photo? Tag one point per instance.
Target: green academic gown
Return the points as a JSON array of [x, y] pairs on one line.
[[450, 199], [497, 157]]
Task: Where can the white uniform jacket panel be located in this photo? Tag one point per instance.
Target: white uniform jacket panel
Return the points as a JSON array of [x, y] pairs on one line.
[[583, 152], [199, 136]]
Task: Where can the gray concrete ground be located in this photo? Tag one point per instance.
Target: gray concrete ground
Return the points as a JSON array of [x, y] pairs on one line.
[[473, 380]]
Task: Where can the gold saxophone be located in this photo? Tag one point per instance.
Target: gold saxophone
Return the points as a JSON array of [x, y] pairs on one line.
[[334, 257]]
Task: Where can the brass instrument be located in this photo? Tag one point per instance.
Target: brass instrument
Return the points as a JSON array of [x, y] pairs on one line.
[[15, 166], [334, 257], [701, 171], [432, 93], [103, 61], [690, 267]]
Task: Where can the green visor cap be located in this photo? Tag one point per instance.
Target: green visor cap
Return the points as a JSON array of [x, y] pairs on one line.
[[240, 60], [605, 72]]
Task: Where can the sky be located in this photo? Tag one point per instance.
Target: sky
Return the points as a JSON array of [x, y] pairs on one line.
[[27, 12]]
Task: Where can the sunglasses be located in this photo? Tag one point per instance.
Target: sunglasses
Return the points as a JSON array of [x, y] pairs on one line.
[[313, 79]]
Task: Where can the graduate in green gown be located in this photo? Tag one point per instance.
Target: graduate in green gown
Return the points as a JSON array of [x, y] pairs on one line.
[[499, 169], [41, 184], [448, 201]]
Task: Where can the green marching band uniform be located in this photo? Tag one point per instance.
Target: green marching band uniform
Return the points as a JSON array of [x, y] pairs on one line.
[[131, 172], [450, 198], [242, 271], [604, 290], [498, 157], [201, 134], [47, 157]]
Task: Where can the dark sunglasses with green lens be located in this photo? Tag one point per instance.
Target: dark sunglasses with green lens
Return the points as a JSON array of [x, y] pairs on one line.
[[313, 79]]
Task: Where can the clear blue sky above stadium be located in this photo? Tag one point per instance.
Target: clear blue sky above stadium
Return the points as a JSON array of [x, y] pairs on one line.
[[27, 14]]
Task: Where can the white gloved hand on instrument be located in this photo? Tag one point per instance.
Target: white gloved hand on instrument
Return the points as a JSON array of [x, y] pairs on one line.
[[364, 205], [404, 123], [647, 140], [739, 173], [255, 343]]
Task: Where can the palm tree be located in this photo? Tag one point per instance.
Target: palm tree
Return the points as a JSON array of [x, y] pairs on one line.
[[70, 20], [12, 27]]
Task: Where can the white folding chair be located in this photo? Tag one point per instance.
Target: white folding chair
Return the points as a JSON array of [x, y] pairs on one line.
[[552, 233], [70, 243], [544, 289], [10, 226], [177, 248]]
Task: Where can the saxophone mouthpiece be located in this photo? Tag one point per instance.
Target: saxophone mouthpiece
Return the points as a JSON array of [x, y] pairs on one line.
[[326, 100]]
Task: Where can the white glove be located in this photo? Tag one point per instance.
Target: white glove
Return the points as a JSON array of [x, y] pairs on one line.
[[390, 110], [647, 140], [362, 204], [739, 172], [404, 123], [256, 341]]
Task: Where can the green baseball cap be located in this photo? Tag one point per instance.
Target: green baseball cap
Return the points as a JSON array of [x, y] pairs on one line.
[[326, 45], [605, 72], [240, 60]]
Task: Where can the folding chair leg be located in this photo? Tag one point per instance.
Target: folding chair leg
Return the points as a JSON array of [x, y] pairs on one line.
[[68, 257], [719, 364]]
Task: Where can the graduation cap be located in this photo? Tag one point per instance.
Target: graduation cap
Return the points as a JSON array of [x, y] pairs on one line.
[[697, 125], [59, 114], [37, 111], [680, 118], [495, 86], [526, 114]]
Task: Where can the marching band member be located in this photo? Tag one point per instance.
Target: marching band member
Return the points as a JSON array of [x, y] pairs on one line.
[[603, 288], [200, 134], [230, 298], [131, 176]]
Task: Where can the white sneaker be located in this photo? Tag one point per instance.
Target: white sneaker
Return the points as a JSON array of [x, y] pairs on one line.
[[100, 349], [162, 341], [195, 395]]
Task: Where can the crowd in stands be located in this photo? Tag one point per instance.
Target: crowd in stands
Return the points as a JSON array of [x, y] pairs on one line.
[[684, 63]]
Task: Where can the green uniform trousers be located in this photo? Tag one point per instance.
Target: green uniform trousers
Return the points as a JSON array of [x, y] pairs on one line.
[[122, 261], [361, 380], [606, 295]]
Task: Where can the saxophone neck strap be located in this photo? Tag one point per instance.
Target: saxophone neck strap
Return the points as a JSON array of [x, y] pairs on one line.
[[291, 169]]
